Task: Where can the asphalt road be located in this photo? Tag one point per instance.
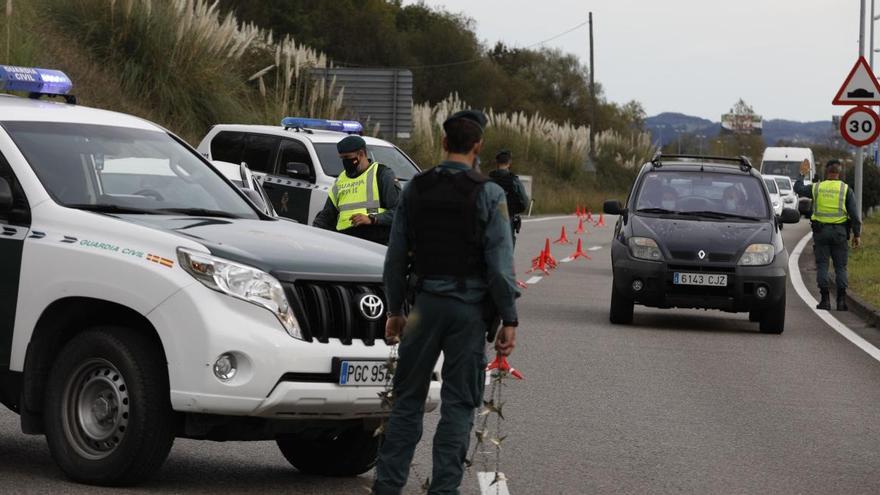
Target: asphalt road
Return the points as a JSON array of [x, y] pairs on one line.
[[681, 401]]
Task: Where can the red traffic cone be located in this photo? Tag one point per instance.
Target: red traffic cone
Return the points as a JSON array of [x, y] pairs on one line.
[[579, 252], [580, 229], [601, 222], [521, 284], [548, 257], [563, 238], [577, 210], [540, 264], [590, 215], [500, 363]]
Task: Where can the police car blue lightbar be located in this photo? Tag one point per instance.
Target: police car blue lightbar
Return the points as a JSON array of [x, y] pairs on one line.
[[34, 81], [349, 126]]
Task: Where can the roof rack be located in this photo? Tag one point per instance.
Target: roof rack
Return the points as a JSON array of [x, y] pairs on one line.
[[744, 164]]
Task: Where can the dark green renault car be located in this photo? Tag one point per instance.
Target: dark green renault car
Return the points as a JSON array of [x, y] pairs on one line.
[[700, 232]]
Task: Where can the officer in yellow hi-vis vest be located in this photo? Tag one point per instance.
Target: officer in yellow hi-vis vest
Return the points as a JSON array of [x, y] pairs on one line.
[[834, 215], [362, 201]]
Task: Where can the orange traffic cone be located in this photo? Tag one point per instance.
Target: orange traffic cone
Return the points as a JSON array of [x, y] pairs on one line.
[[579, 252], [580, 229], [577, 210], [601, 222], [540, 264], [548, 258], [590, 215], [563, 238]]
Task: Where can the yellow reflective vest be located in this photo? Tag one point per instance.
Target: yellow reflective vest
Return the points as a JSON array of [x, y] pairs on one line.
[[358, 195], [829, 202]]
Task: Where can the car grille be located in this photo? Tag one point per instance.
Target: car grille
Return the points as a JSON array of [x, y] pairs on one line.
[[712, 257], [331, 310]]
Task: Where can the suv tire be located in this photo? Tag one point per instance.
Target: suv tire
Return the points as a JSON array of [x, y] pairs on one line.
[[107, 414], [621, 311], [349, 452], [773, 318]]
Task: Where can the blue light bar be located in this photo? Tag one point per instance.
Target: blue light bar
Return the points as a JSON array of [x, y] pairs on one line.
[[32, 80], [349, 126]]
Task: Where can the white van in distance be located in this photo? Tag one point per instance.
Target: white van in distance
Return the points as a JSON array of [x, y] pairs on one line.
[[787, 162]]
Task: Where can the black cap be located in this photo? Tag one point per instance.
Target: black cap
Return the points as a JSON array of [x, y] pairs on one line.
[[351, 144], [475, 116], [503, 156]]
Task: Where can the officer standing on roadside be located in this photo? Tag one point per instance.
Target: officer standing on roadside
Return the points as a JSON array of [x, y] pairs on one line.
[[834, 214], [364, 197], [517, 198], [452, 228]]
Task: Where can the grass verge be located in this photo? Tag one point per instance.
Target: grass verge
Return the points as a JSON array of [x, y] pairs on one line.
[[864, 263]]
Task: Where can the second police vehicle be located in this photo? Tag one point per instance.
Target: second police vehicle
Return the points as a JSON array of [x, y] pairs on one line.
[[700, 232], [297, 161], [145, 297]]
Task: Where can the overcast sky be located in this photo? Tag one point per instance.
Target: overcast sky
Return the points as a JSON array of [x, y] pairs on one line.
[[786, 58]]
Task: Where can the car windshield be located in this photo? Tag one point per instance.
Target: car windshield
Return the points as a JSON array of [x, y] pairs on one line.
[[119, 169], [792, 170], [771, 186], [389, 156], [696, 193], [784, 184]]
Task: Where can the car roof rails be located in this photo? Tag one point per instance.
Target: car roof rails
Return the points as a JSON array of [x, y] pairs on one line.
[[744, 164]]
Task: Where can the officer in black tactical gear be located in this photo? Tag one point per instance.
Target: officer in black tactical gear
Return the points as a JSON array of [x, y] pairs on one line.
[[517, 198], [451, 232]]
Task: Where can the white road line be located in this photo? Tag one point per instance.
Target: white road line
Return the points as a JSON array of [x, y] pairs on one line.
[[594, 248], [566, 260], [547, 219], [534, 280], [798, 283], [486, 486]]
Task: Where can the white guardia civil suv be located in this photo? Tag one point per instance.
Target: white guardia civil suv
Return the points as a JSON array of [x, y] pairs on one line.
[[144, 298]]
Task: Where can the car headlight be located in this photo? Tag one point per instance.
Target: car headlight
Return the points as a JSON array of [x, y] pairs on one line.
[[757, 255], [243, 282], [645, 248]]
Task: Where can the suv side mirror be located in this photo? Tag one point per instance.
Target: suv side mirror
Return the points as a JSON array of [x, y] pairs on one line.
[[790, 215], [612, 207], [298, 169], [5, 196]]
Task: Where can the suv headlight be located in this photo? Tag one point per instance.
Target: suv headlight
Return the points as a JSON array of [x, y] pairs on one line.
[[757, 255], [645, 248], [243, 282]]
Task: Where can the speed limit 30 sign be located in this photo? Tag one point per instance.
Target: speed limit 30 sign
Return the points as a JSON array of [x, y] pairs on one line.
[[860, 126]]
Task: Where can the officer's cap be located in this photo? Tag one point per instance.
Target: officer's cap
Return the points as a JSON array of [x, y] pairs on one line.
[[474, 116], [351, 144], [503, 156]]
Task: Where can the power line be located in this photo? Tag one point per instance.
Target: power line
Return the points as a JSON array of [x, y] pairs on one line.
[[469, 61]]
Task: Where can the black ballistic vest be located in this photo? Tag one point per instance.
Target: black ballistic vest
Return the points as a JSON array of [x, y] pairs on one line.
[[443, 226], [505, 179]]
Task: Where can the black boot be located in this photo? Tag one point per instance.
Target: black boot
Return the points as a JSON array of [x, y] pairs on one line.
[[825, 303], [841, 300]]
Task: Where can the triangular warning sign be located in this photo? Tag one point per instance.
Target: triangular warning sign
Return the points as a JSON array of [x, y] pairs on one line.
[[860, 87]]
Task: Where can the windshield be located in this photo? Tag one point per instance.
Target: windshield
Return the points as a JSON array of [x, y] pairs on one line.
[[389, 156], [784, 184], [108, 168], [792, 170], [771, 186], [697, 193]]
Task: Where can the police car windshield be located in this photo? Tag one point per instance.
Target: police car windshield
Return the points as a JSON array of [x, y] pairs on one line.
[[713, 194], [121, 168], [389, 156]]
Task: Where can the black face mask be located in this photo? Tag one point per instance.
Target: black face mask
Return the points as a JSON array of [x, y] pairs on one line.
[[351, 165]]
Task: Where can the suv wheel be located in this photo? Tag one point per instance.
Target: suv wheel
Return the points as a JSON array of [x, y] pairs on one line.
[[348, 452], [773, 318], [107, 413], [621, 312]]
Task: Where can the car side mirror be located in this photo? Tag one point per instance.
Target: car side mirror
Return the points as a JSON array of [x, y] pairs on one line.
[[613, 207], [298, 169], [790, 215], [5, 197]]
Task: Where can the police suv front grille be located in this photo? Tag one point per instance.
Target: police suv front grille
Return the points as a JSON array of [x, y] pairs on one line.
[[329, 310]]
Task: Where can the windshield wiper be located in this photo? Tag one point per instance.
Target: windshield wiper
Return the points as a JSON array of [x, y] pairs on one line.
[[718, 215], [660, 211], [199, 212], [111, 208]]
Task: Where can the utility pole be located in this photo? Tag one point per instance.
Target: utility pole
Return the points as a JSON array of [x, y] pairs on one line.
[[860, 151], [593, 93]]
